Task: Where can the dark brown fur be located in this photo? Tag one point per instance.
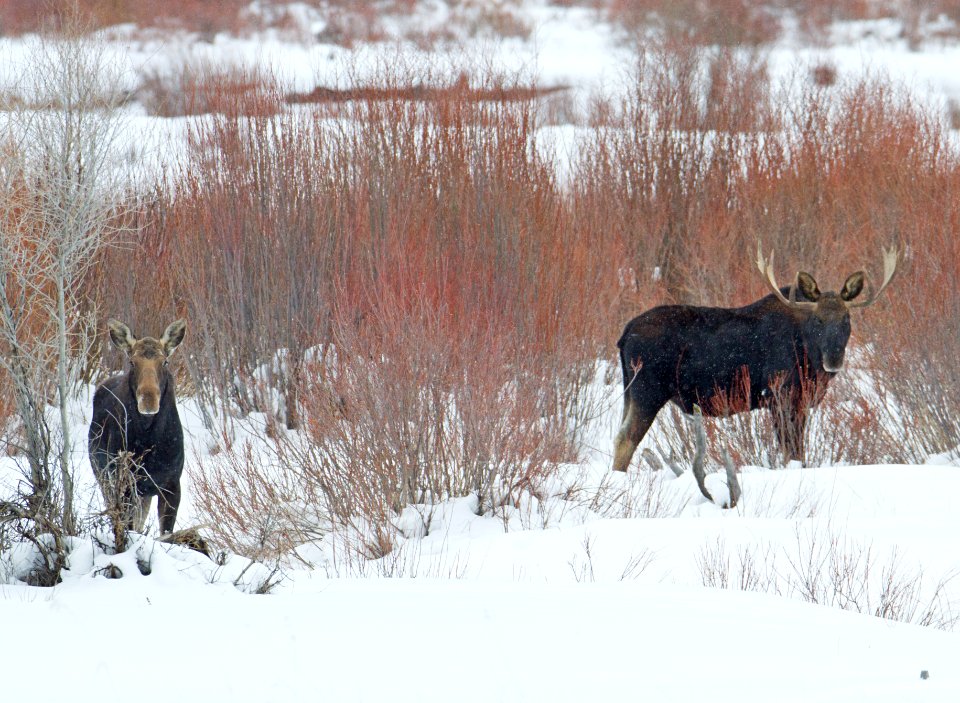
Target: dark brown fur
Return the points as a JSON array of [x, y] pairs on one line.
[[766, 354], [136, 428]]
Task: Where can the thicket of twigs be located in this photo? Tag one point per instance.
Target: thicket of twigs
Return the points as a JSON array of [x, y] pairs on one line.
[[417, 303], [346, 22], [409, 283]]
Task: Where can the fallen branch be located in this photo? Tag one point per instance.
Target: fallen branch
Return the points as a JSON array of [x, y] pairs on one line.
[[190, 538]]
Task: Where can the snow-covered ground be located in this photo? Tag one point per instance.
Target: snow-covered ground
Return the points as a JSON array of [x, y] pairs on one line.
[[437, 640], [578, 595], [603, 587], [573, 47], [566, 46]]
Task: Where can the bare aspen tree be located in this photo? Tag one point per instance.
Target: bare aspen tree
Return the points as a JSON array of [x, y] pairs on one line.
[[61, 197]]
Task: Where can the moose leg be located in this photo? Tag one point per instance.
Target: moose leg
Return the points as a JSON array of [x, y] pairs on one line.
[[108, 489], [634, 426], [140, 510], [168, 502], [113, 507], [790, 424]]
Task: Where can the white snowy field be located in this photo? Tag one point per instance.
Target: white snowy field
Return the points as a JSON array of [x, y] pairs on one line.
[[437, 640], [603, 587], [574, 46]]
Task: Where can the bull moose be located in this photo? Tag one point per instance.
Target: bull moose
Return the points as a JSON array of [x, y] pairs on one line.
[[135, 439], [777, 353]]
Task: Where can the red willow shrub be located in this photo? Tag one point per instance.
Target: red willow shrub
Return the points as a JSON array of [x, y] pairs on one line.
[[875, 169], [718, 22], [661, 177], [413, 261], [409, 283], [199, 87], [825, 184], [24, 16]]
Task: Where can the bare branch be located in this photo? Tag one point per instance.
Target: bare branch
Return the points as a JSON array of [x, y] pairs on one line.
[[59, 190]]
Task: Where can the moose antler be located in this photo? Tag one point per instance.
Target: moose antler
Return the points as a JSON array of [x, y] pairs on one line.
[[766, 268], [890, 259]]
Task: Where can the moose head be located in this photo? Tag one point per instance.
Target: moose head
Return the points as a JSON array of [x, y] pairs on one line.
[[148, 361], [826, 319]]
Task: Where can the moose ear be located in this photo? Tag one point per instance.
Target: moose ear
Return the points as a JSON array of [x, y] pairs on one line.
[[808, 286], [173, 335], [121, 336], [853, 286]]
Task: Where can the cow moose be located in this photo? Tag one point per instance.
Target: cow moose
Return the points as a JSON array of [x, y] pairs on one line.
[[135, 439], [776, 353]]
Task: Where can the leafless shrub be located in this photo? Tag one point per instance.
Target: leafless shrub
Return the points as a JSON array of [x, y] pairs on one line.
[[824, 74], [784, 499], [35, 517], [60, 199], [405, 559], [122, 507], [633, 495], [665, 167], [432, 295], [498, 20], [350, 23], [829, 569], [252, 506], [913, 378], [413, 428], [263, 583], [584, 569], [753, 571], [858, 422], [953, 113], [197, 87], [725, 22], [22, 16], [636, 565]]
